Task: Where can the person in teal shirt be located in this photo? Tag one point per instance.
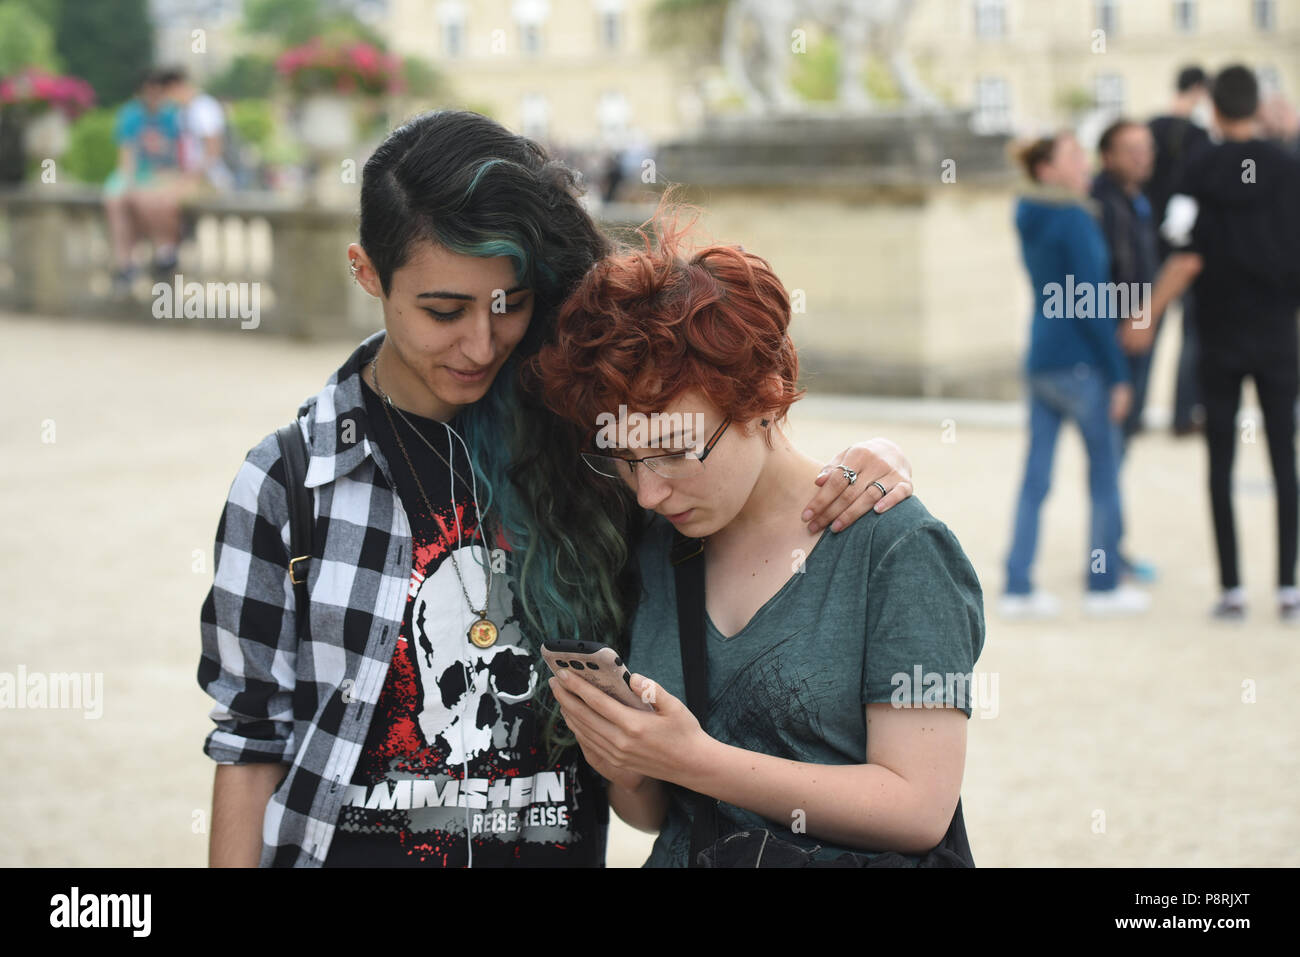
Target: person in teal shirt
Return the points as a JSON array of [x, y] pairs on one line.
[[141, 195], [839, 664]]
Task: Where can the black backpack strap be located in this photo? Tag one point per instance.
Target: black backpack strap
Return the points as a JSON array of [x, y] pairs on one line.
[[293, 452], [688, 568]]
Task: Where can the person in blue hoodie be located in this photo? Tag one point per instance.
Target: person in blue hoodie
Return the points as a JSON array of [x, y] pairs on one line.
[[1075, 370]]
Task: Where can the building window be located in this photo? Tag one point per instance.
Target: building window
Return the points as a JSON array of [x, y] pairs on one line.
[[535, 116], [1107, 16], [612, 117], [453, 38], [609, 24], [990, 18], [992, 105], [530, 15], [1109, 93], [1185, 16], [451, 17], [1264, 13], [530, 38], [610, 31]]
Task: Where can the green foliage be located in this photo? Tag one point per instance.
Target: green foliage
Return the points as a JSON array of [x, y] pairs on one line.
[[247, 75], [1075, 100], [297, 21], [419, 78], [109, 45], [292, 21], [252, 121], [813, 74], [91, 153], [25, 40], [880, 83]]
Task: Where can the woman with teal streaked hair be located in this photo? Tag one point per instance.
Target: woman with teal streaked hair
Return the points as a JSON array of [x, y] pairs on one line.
[[451, 536]]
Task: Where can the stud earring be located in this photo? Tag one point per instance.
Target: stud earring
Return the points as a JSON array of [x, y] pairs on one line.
[[763, 422]]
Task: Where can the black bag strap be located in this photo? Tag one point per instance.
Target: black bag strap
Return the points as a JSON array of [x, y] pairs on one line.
[[293, 452], [688, 569]]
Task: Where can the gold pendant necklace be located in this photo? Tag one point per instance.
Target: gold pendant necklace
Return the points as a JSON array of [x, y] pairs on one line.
[[482, 633]]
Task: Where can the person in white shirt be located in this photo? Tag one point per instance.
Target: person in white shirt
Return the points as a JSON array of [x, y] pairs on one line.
[[203, 124]]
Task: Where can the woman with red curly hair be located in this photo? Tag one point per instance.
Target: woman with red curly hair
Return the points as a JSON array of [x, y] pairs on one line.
[[825, 732]]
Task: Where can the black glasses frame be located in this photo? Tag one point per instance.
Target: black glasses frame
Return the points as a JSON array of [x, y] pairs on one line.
[[632, 462]]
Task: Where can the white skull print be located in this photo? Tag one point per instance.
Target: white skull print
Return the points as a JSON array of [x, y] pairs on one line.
[[473, 698]]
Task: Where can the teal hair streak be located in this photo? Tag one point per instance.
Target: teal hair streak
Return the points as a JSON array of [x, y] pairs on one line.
[[494, 430]]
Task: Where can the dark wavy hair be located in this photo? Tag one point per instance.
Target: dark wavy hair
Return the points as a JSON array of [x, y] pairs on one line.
[[462, 181]]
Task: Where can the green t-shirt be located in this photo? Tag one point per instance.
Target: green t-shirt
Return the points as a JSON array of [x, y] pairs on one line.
[[877, 612]]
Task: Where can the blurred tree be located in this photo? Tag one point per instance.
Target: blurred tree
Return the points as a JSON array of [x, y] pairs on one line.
[[247, 75], [252, 122], [297, 21], [26, 39], [420, 78], [107, 44]]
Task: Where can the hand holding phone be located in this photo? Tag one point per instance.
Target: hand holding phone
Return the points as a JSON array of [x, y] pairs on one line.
[[597, 664]]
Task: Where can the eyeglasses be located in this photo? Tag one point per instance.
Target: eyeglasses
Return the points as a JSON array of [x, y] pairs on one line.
[[669, 465]]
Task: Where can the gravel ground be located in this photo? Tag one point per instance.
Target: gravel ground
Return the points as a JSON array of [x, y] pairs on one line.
[[1159, 740]]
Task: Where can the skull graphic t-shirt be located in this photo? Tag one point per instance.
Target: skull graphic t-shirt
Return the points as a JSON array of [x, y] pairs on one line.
[[454, 747]]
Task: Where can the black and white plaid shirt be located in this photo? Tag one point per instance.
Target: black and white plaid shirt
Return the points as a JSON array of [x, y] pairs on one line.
[[310, 705]]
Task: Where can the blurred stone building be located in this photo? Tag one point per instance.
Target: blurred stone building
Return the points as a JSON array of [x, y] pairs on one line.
[[585, 71]]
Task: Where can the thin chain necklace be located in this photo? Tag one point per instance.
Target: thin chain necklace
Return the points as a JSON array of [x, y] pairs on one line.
[[388, 403], [483, 632]]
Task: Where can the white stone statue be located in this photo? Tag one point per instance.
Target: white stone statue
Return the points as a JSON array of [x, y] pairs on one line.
[[759, 66]]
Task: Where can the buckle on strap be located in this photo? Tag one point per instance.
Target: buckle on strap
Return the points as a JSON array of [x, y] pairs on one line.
[[293, 572]]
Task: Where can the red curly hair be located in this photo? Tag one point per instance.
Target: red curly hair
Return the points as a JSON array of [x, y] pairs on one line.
[[646, 325]]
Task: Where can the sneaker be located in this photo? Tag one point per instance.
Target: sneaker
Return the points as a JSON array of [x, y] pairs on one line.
[[1231, 605], [1120, 600], [1036, 604], [122, 280], [1288, 604], [164, 266], [1135, 569]]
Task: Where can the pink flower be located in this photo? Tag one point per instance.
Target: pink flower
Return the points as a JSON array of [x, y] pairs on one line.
[[31, 85], [364, 56]]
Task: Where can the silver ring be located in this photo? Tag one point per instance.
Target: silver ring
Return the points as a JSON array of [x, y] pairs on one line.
[[877, 484], [849, 474]]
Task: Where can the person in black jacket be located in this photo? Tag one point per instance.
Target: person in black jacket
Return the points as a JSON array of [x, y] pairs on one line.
[[1234, 222], [1178, 137], [1127, 157]]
